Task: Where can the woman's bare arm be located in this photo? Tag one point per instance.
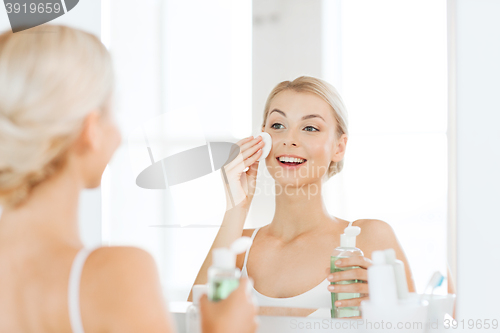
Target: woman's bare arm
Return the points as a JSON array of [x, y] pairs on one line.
[[239, 187], [230, 230]]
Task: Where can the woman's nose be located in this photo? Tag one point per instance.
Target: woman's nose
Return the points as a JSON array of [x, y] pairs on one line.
[[289, 139]]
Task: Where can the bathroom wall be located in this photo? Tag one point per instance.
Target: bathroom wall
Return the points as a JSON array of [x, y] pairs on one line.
[[477, 72]]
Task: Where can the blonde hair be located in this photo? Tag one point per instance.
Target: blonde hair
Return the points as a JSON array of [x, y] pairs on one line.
[[50, 79], [326, 92]]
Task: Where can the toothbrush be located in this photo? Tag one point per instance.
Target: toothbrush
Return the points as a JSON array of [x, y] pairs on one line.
[[435, 281]]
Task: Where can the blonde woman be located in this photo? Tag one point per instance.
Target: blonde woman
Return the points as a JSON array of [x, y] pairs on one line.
[[290, 257], [56, 136]]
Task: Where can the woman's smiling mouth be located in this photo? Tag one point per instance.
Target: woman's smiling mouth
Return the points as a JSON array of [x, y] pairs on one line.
[[290, 162]]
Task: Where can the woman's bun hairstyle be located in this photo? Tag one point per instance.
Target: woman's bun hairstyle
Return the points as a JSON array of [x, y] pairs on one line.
[[51, 77]]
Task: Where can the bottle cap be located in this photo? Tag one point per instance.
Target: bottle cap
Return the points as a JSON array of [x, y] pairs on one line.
[[378, 258], [348, 238], [223, 258], [198, 291], [226, 258], [382, 286], [390, 256], [241, 245]]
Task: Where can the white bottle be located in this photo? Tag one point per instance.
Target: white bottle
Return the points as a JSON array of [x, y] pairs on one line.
[[193, 318], [381, 281], [223, 276], [384, 305], [399, 273]]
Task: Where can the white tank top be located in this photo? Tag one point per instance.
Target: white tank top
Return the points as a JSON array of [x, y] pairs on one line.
[[317, 297], [75, 275]]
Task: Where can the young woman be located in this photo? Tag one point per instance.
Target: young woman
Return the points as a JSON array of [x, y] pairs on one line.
[[290, 257], [56, 136]]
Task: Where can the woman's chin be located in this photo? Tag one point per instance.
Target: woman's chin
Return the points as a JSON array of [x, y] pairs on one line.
[[294, 181]]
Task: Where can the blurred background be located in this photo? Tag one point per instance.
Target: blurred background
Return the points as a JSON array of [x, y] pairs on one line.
[[195, 71]]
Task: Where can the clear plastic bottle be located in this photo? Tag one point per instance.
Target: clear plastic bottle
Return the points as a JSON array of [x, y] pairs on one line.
[[223, 275], [346, 249]]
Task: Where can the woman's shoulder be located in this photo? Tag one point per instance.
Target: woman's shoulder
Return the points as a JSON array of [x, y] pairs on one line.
[[116, 280], [378, 235], [372, 225], [116, 260], [120, 265], [117, 252], [115, 268], [375, 235]]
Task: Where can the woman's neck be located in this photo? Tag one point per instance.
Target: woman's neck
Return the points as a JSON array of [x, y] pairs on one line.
[[50, 214], [299, 210]]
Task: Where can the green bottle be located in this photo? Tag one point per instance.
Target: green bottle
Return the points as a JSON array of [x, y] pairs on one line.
[[222, 282], [223, 275], [346, 249]]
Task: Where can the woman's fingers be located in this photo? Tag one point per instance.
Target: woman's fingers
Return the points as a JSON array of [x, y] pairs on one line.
[[358, 288], [354, 261], [350, 302], [246, 150], [252, 159], [242, 141], [239, 175], [248, 143], [252, 171], [240, 165], [351, 274], [249, 148]]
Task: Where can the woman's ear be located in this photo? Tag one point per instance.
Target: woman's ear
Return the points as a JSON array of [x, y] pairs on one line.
[[90, 135], [339, 148]]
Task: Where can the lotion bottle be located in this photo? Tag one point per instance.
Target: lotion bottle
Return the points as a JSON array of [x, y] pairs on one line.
[[223, 275], [399, 273], [346, 249]]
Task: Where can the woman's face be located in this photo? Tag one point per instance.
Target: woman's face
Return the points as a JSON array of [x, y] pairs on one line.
[[302, 125]]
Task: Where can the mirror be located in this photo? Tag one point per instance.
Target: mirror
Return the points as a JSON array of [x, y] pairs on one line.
[[206, 71]]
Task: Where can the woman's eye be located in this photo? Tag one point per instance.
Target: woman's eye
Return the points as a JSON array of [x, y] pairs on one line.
[[314, 129]]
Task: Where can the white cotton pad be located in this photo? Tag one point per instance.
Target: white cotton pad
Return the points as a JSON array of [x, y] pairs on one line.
[[268, 144]]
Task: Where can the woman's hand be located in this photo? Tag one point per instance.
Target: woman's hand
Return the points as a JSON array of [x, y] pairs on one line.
[[239, 185], [351, 274], [237, 313]]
